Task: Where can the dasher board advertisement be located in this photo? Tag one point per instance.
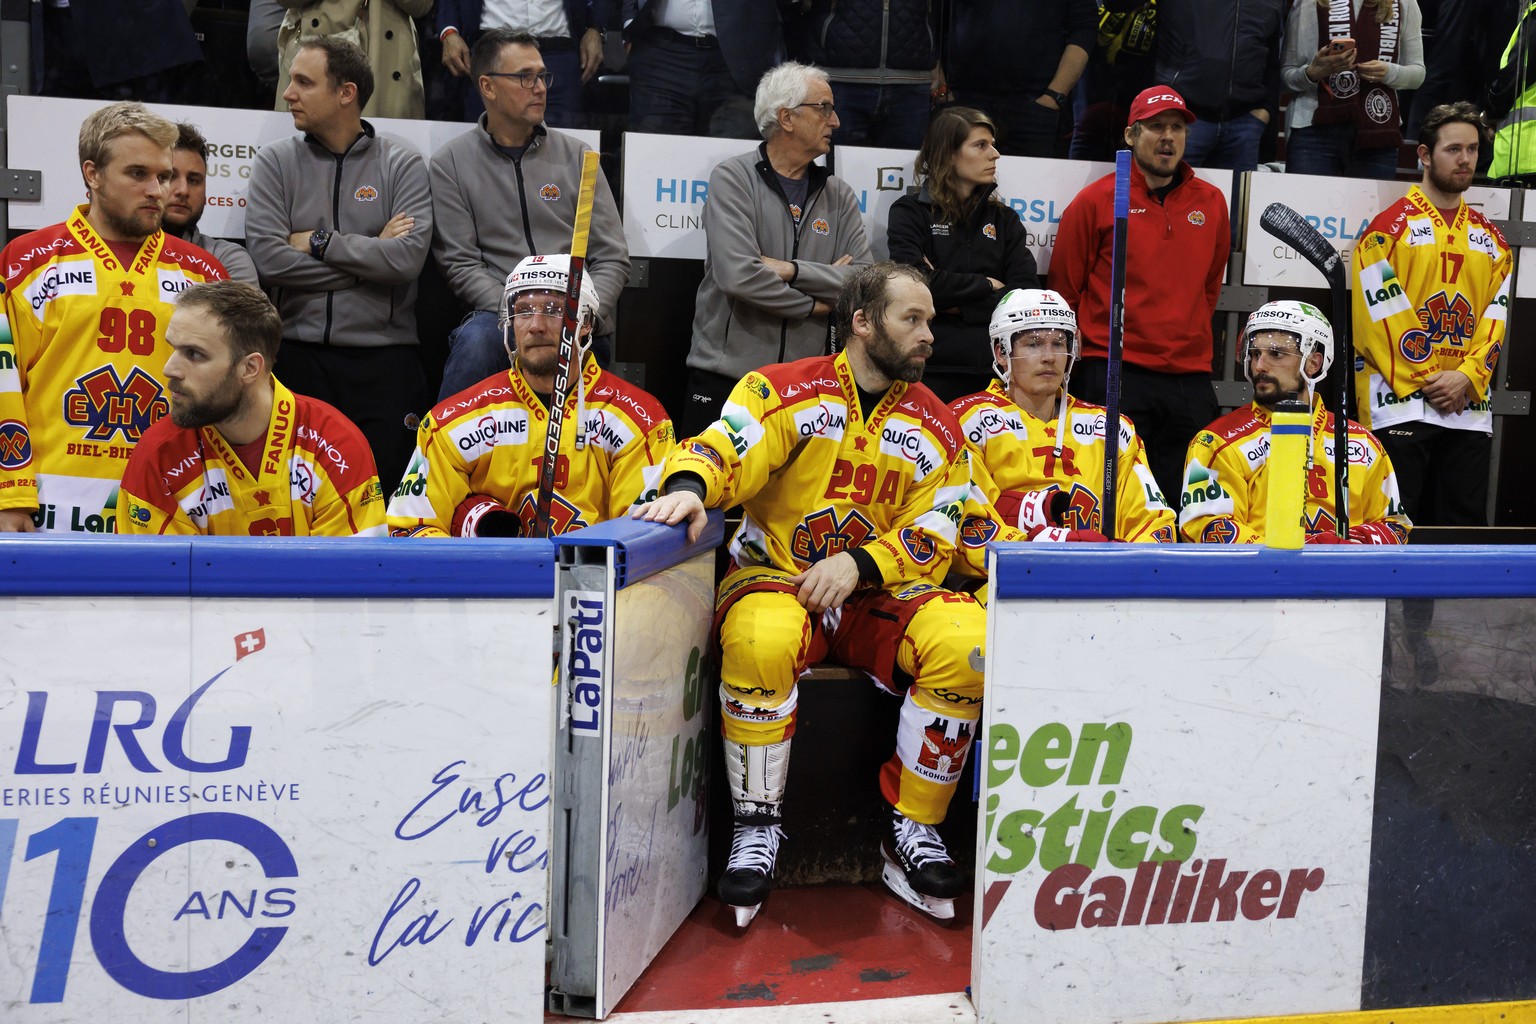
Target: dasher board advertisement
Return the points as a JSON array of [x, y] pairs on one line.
[[1177, 803], [246, 809]]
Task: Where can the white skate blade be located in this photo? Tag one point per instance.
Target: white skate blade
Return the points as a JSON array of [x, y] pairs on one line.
[[895, 880], [744, 915]]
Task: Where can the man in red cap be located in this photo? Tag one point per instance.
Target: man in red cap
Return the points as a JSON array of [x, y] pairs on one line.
[[1176, 255]]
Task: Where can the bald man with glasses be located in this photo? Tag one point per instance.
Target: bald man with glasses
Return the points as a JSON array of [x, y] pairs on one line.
[[506, 190]]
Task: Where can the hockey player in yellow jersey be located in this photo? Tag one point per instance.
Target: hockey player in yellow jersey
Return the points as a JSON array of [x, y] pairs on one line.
[[475, 471], [1037, 453], [1288, 347], [82, 347], [851, 476], [241, 455], [1430, 303]]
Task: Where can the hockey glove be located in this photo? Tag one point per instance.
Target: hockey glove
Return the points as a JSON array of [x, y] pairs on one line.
[[1373, 533], [1034, 509], [1056, 534], [480, 516]]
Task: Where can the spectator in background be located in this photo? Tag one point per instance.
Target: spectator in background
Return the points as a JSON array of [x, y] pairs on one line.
[[189, 197], [265, 18], [505, 190], [1020, 61], [781, 234], [1224, 58], [1176, 256], [1119, 67], [339, 223], [112, 51], [1512, 100], [882, 57], [1462, 57], [568, 35], [694, 64], [241, 455], [1346, 75], [971, 247], [382, 29]]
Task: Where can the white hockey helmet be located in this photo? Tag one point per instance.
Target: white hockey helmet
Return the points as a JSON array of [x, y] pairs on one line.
[[1305, 321], [546, 274], [1030, 309]]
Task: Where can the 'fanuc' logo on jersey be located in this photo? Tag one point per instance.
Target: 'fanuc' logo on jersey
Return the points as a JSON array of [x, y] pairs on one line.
[[550, 192], [107, 405], [823, 534], [365, 194]]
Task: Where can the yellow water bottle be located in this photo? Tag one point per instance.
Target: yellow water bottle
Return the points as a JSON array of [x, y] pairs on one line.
[[1286, 467]]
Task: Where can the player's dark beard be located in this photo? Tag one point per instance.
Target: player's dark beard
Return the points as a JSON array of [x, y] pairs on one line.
[[219, 406], [1447, 184], [886, 356], [1275, 395]]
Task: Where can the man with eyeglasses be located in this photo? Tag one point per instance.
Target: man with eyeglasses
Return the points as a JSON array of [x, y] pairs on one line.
[[1037, 453], [475, 472], [782, 234], [1288, 347], [1176, 255], [568, 33], [507, 189], [339, 224]]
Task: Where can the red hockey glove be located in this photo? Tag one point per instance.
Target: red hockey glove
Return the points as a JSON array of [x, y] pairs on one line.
[[1373, 533], [1056, 534], [480, 516], [1329, 536], [1034, 509]]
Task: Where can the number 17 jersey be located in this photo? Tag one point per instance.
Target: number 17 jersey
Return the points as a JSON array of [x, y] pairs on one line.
[[82, 361]]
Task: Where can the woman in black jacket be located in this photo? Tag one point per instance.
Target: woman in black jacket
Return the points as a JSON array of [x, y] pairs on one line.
[[969, 244]]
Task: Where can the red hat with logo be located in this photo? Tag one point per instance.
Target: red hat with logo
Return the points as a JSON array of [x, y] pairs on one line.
[[1153, 101]]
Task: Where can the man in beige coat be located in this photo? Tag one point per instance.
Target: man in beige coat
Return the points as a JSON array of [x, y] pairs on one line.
[[382, 28]]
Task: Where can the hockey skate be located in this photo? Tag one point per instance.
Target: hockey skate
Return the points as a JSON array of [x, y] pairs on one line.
[[749, 873], [918, 868], [756, 776]]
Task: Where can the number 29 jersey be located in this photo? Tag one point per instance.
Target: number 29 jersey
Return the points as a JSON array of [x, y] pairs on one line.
[[82, 360]]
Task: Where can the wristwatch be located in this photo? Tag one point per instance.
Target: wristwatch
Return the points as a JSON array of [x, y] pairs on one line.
[[1059, 97], [318, 240]]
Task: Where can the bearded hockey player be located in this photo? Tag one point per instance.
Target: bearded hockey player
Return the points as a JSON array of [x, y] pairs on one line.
[[851, 476], [1288, 347]]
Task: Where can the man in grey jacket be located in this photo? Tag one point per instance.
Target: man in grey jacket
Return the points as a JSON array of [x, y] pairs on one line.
[[505, 190], [339, 224], [782, 234], [189, 198]]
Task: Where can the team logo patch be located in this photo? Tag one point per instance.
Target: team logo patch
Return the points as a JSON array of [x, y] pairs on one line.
[[365, 194], [945, 741], [794, 211], [758, 385], [1378, 105], [15, 445], [1492, 358], [977, 530], [1219, 531], [138, 513], [127, 287], [1163, 535], [550, 192], [704, 451], [822, 534], [563, 516], [1449, 319], [989, 231], [919, 545], [1197, 218], [820, 226], [106, 405], [1415, 346]]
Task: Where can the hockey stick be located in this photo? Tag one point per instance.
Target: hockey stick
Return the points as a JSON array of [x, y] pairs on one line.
[[1292, 229], [570, 345], [1116, 343]]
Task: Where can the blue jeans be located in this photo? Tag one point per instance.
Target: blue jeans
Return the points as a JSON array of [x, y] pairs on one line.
[[893, 116], [1024, 127], [678, 89], [475, 352], [1330, 149], [1232, 144]]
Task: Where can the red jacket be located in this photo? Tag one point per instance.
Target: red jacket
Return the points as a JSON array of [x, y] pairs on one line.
[[1175, 258]]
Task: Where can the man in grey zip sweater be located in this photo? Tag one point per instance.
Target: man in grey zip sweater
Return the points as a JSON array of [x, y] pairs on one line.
[[782, 234], [505, 190], [339, 224]]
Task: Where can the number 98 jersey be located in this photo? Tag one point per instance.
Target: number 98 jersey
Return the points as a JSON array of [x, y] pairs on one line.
[[82, 358]]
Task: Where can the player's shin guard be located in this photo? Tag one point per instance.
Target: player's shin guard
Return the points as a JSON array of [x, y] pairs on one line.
[[756, 773]]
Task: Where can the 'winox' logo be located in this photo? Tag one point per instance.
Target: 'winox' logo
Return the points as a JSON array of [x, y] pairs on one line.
[[105, 404]]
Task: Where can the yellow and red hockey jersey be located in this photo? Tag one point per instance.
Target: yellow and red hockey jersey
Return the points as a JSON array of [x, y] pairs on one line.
[[1226, 482], [1429, 296], [815, 478], [315, 478], [82, 353], [490, 440], [1012, 451]]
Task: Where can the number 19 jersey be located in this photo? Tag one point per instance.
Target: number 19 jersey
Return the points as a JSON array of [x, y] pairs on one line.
[[82, 360]]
